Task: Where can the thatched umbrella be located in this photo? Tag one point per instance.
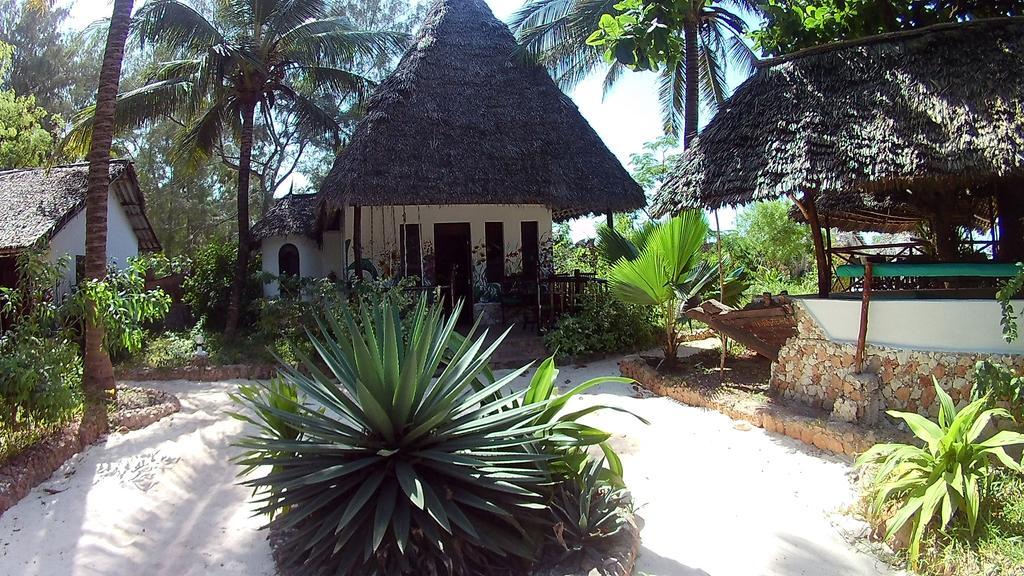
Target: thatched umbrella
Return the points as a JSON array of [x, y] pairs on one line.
[[462, 120], [925, 113], [891, 214]]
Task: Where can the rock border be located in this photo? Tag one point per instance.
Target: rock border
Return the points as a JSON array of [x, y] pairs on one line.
[[29, 469], [839, 438], [201, 373]]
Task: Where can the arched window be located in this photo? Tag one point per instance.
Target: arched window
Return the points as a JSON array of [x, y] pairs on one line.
[[288, 261]]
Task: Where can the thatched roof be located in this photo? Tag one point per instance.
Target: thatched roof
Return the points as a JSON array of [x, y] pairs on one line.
[[463, 121], [35, 203], [291, 214], [933, 110], [893, 214]]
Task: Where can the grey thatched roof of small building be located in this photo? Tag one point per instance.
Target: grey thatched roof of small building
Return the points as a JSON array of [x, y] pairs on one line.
[[291, 214], [35, 203], [462, 120], [932, 110]]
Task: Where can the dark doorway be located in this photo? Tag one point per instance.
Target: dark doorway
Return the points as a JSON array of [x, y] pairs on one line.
[[531, 251], [494, 237], [8, 279], [453, 261]]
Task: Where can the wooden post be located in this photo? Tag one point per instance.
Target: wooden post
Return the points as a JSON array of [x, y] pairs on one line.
[[343, 275], [721, 294], [862, 336], [810, 212], [610, 219], [357, 240]]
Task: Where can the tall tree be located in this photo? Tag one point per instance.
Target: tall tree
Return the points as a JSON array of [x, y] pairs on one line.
[[56, 67], [238, 65], [556, 33], [98, 375]]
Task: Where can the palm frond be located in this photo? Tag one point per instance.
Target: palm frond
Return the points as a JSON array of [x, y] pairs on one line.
[[176, 25], [195, 144], [134, 109], [672, 97]]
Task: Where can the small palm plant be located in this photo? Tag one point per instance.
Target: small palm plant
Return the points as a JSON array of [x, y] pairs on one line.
[[663, 265], [950, 475], [410, 458]]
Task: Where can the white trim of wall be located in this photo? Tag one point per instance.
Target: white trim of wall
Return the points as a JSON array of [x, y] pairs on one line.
[[931, 325]]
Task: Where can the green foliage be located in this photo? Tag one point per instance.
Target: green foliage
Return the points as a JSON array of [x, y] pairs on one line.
[[588, 514], [652, 166], [207, 287], [40, 369], [949, 478], [766, 237], [791, 25], [409, 458], [122, 305], [1007, 292], [24, 141], [604, 325], [999, 383], [664, 266]]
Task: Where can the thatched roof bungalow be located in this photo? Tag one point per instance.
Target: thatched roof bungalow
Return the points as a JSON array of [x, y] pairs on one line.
[[45, 208], [466, 155], [920, 117], [461, 120]]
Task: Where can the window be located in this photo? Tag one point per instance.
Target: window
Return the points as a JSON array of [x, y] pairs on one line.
[[288, 260], [79, 269], [531, 250], [411, 265], [494, 239]]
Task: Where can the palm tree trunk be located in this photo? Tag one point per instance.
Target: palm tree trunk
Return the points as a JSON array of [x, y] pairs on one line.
[[98, 375], [690, 114], [242, 263]]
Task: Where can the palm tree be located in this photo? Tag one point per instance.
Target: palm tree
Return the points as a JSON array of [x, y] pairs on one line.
[[237, 64], [554, 32], [98, 375], [663, 264]]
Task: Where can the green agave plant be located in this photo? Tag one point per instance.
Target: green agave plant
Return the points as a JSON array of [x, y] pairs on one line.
[[947, 476], [411, 457], [589, 512]]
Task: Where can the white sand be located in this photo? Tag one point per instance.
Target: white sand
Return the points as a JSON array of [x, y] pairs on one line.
[[717, 500]]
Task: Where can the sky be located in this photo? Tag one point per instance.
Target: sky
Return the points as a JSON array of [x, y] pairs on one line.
[[625, 118]]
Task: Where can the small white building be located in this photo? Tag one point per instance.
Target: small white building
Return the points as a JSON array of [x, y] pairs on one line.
[[45, 207], [466, 155]]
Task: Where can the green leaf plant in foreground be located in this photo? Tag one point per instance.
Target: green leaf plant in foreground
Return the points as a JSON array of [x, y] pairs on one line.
[[948, 478], [399, 452]]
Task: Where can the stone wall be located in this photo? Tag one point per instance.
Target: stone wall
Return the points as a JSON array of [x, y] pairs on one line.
[[817, 371]]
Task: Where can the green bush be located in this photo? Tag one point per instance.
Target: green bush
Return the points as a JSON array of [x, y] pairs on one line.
[[207, 286], [410, 459], [999, 383], [604, 325], [949, 478], [40, 367]]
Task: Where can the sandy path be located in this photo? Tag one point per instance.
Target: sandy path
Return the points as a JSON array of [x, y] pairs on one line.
[[725, 499], [161, 501]]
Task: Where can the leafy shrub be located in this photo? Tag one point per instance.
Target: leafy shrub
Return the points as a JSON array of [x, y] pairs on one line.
[[169, 350], [123, 305], [950, 475], [999, 383], [410, 459], [207, 287], [603, 325], [40, 368], [1007, 292]]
